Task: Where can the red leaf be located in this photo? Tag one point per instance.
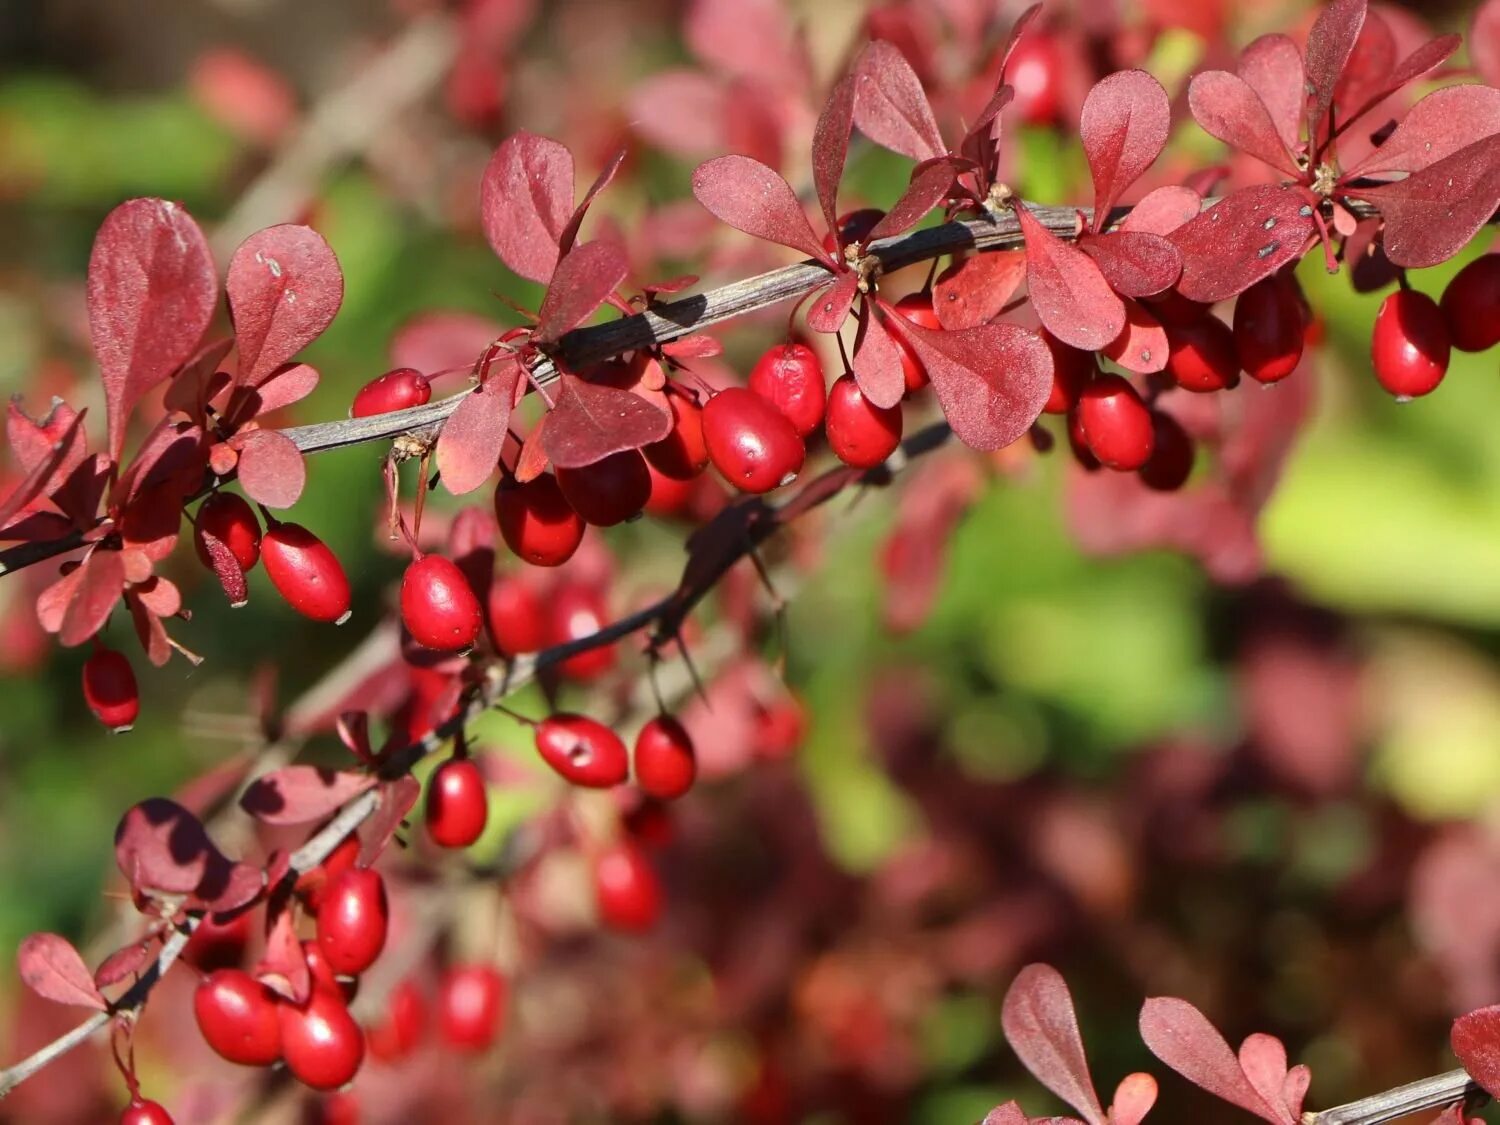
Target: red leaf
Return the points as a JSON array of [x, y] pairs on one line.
[[583, 281], [1294, 1090], [830, 149], [915, 552], [397, 798], [525, 202], [52, 466], [1142, 345], [160, 595], [1227, 107], [284, 288], [1181, 1036], [1134, 263], [1272, 65], [749, 38], [1134, 1097], [440, 341], [755, 199], [226, 568], [150, 631], [974, 290], [226, 886], [1067, 289], [52, 968], [1263, 1060], [1428, 56], [928, 187], [127, 962], [101, 581], [1475, 1039], [160, 846], [468, 448], [991, 381], [682, 112], [1437, 126], [1239, 240], [877, 362], [1007, 1114], [1329, 45], [606, 174], [283, 966], [286, 385], [1432, 214], [1125, 121], [890, 106], [1371, 61], [299, 794], [590, 422], [200, 381], [830, 307], [532, 460], [1042, 1030], [271, 468], [696, 346], [151, 293], [1484, 42]]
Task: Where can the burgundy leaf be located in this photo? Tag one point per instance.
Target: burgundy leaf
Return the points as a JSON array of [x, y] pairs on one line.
[[150, 631], [583, 281], [1042, 1030], [300, 794], [271, 468], [1294, 1090], [1017, 29], [973, 291], [830, 149], [1431, 215], [590, 422], [160, 846], [284, 288], [441, 341], [1239, 240], [226, 886], [1370, 63], [468, 448], [755, 199], [128, 962], [526, 201], [1428, 56], [1329, 45], [991, 381], [175, 453], [1475, 1039], [1125, 121], [1142, 345], [160, 595], [226, 568], [1227, 107], [151, 293], [1067, 289], [531, 462], [1263, 1059], [829, 307], [978, 144], [1007, 1114], [51, 466], [1181, 1036], [1134, 263], [697, 346], [877, 362], [1437, 126], [606, 174], [1134, 1097], [683, 112], [200, 381], [397, 798], [749, 38], [670, 286], [929, 187], [98, 591], [890, 106], [288, 384], [52, 968], [1272, 65], [1484, 42], [283, 966]]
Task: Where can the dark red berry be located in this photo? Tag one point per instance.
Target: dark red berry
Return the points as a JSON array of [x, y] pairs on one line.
[[751, 443], [321, 973], [917, 308], [110, 691], [312, 885], [322, 1044], [471, 1006], [518, 619], [1115, 423], [398, 389], [537, 522], [1409, 347], [626, 889], [1072, 368], [860, 433], [682, 454], [608, 491], [578, 611], [854, 226], [1201, 355], [583, 751], [230, 520], [438, 607], [1034, 72], [237, 1016], [217, 944], [306, 573], [352, 920], [790, 377], [141, 1111], [1269, 333], [1171, 461], [1079, 445], [1471, 305], [400, 1028], [665, 765], [779, 727], [457, 805], [670, 497]]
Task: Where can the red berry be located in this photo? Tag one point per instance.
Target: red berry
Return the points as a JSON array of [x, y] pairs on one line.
[[1172, 307], [860, 433], [1034, 71], [608, 491], [1171, 461], [398, 389], [438, 607], [790, 378], [627, 890], [751, 443], [306, 573], [779, 727], [670, 497], [518, 620], [471, 1006], [681, 455], [917, 308], [1269, 332], [143, 1112], [217, 944], [340, 1108], [322, 1044], [584, 751], [457, 805], [537, 522], [579, 611], [1201, 356], [1072, 368], [1409, 348], [1079, 445], [1115, 423], [1471, 305], [109, 689], [352, 920], [400, 1029], [313, 885], [237, 1016], [230, 520], [665, 765], [854, 226]]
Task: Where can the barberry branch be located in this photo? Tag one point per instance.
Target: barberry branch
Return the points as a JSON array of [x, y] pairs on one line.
[[1415, 1097]]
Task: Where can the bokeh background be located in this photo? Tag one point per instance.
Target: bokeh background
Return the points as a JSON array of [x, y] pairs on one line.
[[1276, 795]]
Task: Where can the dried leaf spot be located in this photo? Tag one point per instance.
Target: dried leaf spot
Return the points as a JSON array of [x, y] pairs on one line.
[[270, 263], [1270, 223], [1267, 250]]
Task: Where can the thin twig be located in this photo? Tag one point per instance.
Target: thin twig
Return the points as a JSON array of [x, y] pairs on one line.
[[1415, 1097]]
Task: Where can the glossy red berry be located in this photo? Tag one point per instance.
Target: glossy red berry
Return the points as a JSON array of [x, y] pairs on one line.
[[110, 690], [751, 443], [583, 751], [142, 1111], [1471, 305], [854, 226], [400, 1028], [1072, 368], [608, 491], [665, 765], [670, 497], [230, 520], [398, 389], [322, 1044], [306, 573], [1269, 333], [1409, 347], [1115, 423], [1171, 461], [438, 607], [626, 889], [682, 454], [321, 975], [352, 920], [219, 944], [860, 433], [1201, 355], [1034, 72], [578, 611], [313, 885], [537, 522], [471, 1006], [1078, 445], [237, 1016], [917, 308], [790, 377], [457, 804], [517, 616]]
